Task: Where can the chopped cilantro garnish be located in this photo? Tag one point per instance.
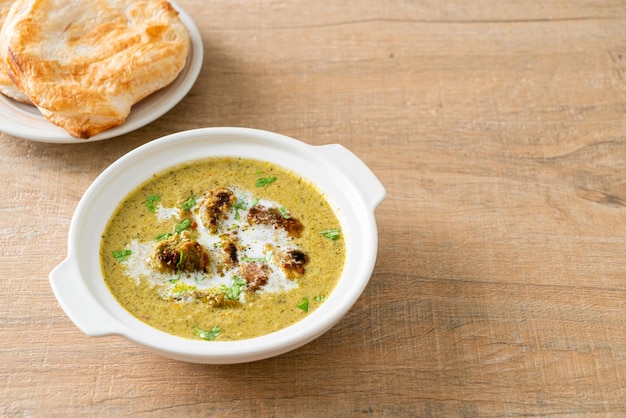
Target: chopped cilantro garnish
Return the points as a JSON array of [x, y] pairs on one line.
[[284, 213], [180, 260], [333, 234], [151, 200], [304, 304], [265, 259], [234, 291], [189, 203], [180, 227], [265, 181], [163, 236], [122, 255], [239, 205], [319, 298], [208, 335], [253, 260]]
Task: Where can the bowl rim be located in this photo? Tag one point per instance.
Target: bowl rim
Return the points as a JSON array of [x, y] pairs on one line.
[[330, 167]]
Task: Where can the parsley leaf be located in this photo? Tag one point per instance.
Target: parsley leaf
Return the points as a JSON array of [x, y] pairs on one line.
[[265, 181], [151, 200], [122, 255], [210, 335]]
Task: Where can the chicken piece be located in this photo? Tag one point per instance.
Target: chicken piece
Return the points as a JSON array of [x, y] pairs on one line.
[[291, 261], [256, 274], [273, 217], [215, 207], [229, 254], [181, 253], [230, 249]]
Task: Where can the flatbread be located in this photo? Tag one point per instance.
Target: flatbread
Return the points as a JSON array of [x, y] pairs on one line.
[[7, 87], [85, 63]]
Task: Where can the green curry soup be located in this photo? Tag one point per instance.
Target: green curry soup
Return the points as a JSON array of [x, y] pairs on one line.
[[223, 249]]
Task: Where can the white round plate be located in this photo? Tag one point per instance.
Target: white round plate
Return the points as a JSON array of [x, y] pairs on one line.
[[25, 121]]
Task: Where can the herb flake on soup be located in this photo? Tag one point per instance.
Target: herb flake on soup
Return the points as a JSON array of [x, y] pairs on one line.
[[223, 249]]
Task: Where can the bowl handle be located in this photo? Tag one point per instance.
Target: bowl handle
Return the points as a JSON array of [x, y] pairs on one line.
[[366, 181], [77, 302]]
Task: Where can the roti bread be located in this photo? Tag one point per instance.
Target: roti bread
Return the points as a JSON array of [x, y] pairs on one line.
[[7, 87], [85, 63]]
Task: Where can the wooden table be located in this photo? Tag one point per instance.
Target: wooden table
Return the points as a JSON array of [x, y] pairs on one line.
[[499, 131]]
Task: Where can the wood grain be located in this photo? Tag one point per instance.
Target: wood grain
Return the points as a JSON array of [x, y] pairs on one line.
[[498, 130]]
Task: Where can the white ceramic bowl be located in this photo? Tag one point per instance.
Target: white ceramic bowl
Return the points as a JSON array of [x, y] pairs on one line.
[[350, 187]]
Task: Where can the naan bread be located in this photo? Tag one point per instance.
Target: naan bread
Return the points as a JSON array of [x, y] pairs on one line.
[[7, 87], [84, 63]]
